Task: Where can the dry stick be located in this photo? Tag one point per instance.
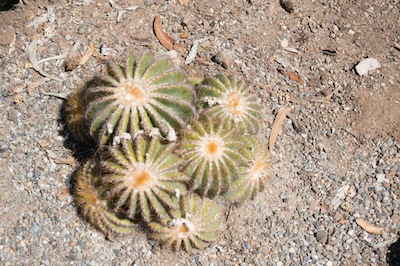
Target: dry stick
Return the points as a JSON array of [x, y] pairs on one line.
[[358, 141], [62, 96], [32, 57], [61, 56]]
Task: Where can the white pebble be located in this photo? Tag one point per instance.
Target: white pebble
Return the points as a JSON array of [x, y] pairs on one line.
[[366, 65], [380, 178]]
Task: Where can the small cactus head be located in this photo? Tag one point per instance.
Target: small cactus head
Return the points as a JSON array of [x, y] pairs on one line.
[[93, 207], [149, 95], [230, 101], [212, 156], [75, 115], [192, 225], [142, 178], [253, 176]]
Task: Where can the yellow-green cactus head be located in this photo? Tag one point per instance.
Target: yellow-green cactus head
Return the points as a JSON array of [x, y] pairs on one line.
[[150, 96], [229, 100], [193, 225], [143, 178], [212, 155]]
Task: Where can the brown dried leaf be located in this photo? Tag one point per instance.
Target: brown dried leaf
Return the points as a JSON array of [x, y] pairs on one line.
[[277, 126], [68, 160], [163, 37], [183, 2], [370, 228], [293, 76]]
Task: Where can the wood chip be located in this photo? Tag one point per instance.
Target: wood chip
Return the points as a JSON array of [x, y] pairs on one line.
[[370, 228], [277, 126], [87, 56], [67, 160], [63, 194], [184, 35], [163, 37]]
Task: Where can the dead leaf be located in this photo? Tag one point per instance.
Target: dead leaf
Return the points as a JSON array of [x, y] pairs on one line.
[[183, 2], [293, 76], [370, 228], [68, 160], [163, 37], [340, 196], [87, 56], [277, 126]]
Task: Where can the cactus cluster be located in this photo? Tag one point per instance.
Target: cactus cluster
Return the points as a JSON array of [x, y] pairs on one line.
[[168, 153]]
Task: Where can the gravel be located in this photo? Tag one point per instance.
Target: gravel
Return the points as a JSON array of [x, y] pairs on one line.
[[324, 146]]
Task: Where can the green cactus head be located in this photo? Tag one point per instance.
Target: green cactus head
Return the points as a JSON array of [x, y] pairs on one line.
[[230, 101], [253, 176], [149, 95], [93, 207], [212, 155], [142, 178], [192, 225]]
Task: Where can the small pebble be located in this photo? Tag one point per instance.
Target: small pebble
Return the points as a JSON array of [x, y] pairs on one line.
[[224, 59]]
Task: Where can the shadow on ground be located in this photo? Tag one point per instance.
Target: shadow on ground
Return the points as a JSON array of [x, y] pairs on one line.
[[7, 4], [393, 255]]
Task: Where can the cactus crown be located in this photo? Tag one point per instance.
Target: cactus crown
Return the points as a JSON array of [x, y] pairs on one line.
[[151, 96], [212, 156], [143, 176], [192, 225], [228, 99]]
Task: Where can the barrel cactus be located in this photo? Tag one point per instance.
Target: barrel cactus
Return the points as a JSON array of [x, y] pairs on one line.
[[93, 207], [192, 225], [229, 100], [142, 178], [253, 176], [150, 96], [212, 155]]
